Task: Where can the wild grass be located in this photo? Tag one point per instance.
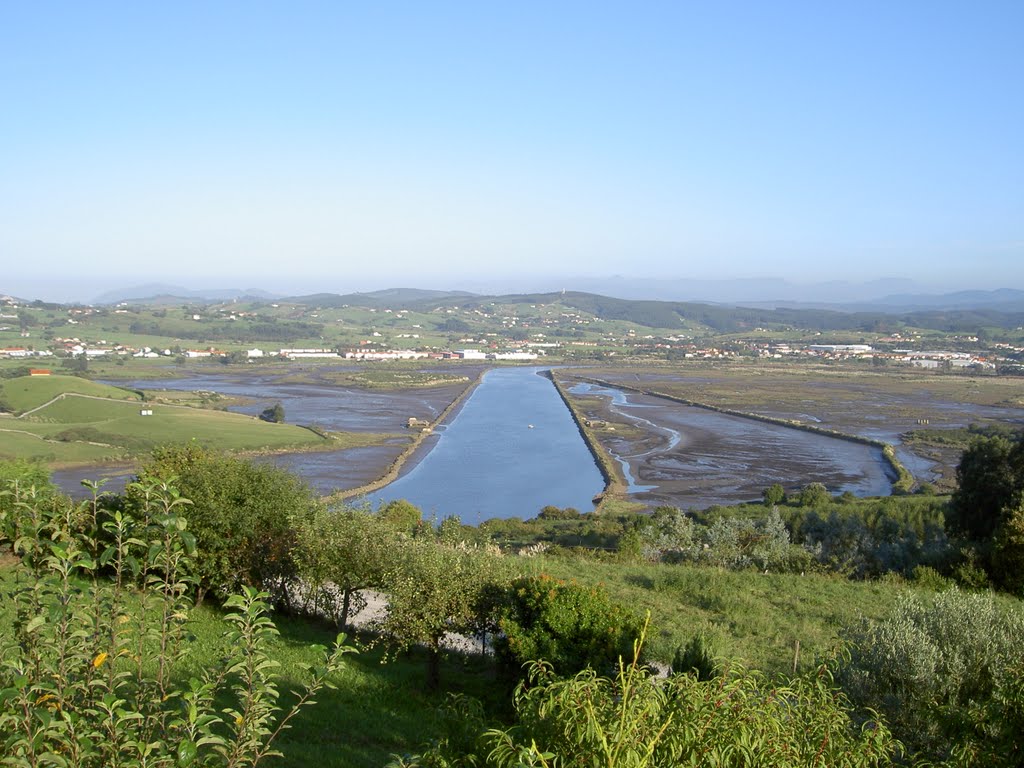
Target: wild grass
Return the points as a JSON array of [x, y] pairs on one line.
[[746, 615]]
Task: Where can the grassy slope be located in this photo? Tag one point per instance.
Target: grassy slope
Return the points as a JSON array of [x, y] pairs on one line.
[[378, 710], [27, 392], [120, 428], [748, 616], [19, 445]]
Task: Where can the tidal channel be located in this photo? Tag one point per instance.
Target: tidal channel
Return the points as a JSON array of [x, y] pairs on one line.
[[510, 450]]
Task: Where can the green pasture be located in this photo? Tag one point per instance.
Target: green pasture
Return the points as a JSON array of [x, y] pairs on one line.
[[18, 443], [94, 422], [27, 392], [122, 423]]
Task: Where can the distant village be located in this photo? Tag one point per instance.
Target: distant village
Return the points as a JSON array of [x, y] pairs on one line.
[[532, 345], [74, 347]]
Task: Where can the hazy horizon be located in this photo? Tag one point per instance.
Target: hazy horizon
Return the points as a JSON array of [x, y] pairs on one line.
[[332, 147], [716, 291]]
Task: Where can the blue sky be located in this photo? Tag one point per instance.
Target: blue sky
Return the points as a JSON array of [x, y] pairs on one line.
[[341, 146]]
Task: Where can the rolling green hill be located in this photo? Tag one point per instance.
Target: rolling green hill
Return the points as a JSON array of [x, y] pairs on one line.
[[66, 419], [27, 392]]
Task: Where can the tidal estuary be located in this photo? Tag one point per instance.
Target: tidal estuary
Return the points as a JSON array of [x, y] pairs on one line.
[[512, 447]]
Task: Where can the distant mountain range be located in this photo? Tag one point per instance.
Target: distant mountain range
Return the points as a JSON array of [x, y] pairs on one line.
[[747, 298], [163, 293], [389, 297], [889, 296]]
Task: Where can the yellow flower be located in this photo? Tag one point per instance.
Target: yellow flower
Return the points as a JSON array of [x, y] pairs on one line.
[[238, 720], [98, 661]]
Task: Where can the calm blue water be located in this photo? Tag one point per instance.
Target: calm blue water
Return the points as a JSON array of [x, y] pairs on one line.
[[488, 462]]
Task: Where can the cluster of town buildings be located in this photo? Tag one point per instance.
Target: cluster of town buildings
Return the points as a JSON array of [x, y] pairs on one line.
[[76, 348]]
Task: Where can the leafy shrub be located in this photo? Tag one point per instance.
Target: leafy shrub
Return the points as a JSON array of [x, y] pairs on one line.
[[866, 541], [773, 495], [568, 625], [729, 542], [936, 667], [89, 675], [814, 495], [990, 480], [1008, 552], [551, 512], [928, 578], [240, 514], [273, 414], [695, 658], [631, 721], [23, 486]]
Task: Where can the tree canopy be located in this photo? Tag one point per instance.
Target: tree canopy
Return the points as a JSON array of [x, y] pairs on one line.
[[990, 481], [241, 515]]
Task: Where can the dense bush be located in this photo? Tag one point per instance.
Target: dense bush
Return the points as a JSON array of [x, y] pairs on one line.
[[241, 515], [868, 540], [631, 721], [727, 542], [990, 481], [568, 625], [945, 672]]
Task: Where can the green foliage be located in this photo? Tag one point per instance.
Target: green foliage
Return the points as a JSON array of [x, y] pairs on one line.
[[814, 495], [90, 670], [939, 669], [569, 625], [241, 515], [631, 721], [1008, 552], [551, 512], [990, 480], [728, 542], [401, 515], [339, 552], [929, 578], [273, 414], [19, 480], [697, 658], [774, 494], [434, 589], [870, 539]]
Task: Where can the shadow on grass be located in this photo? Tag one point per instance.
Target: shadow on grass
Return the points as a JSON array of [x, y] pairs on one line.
[[381, 705]]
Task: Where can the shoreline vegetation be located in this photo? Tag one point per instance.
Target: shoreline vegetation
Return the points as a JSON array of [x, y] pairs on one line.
[[615, 485]]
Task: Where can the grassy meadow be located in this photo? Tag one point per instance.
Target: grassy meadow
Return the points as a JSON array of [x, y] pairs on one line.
[[750, 617], [27, 392], [96, 422]]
